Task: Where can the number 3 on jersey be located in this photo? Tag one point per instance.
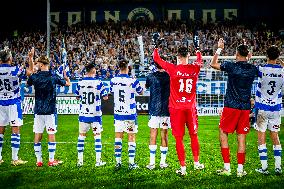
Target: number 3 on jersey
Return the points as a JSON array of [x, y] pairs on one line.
[[185, 85], [273, 86]]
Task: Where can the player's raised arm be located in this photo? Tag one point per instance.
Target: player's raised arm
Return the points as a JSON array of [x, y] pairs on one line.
[[103, 91], [156, 57], [66, 78], [138, 88], [164, 64], [31, 54], [214, 63], [198, 60]]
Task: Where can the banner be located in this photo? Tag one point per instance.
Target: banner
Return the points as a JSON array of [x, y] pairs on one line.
[[65, 105], [209, 12], [70, 105], [203, 87]]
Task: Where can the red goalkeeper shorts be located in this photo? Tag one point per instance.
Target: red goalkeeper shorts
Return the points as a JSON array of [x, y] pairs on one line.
[[235, 120], [181, 118]]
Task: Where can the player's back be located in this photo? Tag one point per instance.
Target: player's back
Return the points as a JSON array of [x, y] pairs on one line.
[[240, 79], [159, 84], [90, 91], [9, 84], [45, 83], [183, 79], [270, 83], [183, 86], [124, 89]]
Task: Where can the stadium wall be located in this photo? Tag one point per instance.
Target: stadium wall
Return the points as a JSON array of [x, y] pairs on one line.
[[162, 10], [61, 9], [168, 11]]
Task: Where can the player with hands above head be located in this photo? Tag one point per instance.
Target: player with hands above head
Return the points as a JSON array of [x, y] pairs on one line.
[[182, 101], [236, 111]]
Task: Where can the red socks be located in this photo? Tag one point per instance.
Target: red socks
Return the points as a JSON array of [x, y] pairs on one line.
[[195, 147], [241, 158], [180, 150], [226, 155]]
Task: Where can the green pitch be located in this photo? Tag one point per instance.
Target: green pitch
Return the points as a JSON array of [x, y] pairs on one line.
[[68, 175]]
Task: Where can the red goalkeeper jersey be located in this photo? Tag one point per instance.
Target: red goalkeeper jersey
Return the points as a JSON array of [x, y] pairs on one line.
[[183, 80]]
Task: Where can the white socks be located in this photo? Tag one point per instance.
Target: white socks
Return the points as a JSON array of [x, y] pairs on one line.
[[262, 151], [152, 149], [80, 147], [277, 155]]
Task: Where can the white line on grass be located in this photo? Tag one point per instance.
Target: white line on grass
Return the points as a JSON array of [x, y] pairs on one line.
[[27, 123]]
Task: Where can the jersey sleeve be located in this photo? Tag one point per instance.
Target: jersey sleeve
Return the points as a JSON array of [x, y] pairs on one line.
[[198, 60], [18, 71], [136, 85], [59, 80], [102, 89], [111, 86], [169, 67], [258, 72], [22, 73], [226, 66], [30, 80], [77, 89], [147, 85]]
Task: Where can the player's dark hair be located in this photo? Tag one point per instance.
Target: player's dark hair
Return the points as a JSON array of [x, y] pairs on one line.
[[182, 51], [273, 52], [122, 64], [44, 60], [243, 50], [5, 54], [89, 66]]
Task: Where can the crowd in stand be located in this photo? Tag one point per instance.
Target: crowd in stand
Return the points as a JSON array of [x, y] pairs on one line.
[[106, 43]]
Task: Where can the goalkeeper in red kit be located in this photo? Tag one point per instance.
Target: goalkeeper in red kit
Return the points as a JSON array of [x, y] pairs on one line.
[[182, 101]]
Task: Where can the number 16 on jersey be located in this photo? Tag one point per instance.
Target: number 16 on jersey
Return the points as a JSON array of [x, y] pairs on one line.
[[185, 85]]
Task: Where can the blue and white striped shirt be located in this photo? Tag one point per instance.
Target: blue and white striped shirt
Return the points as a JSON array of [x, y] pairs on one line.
[[90, 90], [124, 88], [9, 84], [268, 95]]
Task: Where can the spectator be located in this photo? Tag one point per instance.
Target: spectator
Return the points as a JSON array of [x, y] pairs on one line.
[[105, 43]]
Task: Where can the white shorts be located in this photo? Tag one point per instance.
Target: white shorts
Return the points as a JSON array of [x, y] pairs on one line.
[[128, 126], [162, 122], [11, 114], [85, 127], [268, 120], [45, 121]]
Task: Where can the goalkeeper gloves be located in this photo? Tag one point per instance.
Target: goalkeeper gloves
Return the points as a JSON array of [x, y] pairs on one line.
[[157, 40], [196, 41]]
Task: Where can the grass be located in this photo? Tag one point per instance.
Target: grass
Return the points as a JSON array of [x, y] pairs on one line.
[[69, 176]]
